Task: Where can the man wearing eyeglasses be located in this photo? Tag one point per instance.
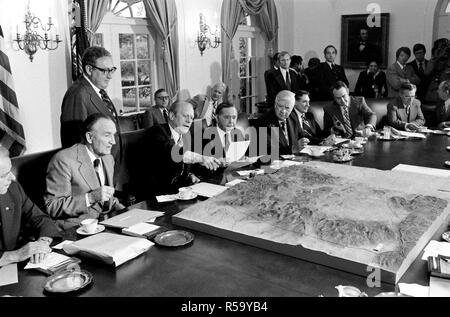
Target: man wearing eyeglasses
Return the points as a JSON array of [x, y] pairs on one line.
[[88, 96], [159, 113], [404, 112]]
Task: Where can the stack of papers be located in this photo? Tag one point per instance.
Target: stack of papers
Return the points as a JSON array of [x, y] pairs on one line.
[[142, 230], [397, 133], [435, 248], [8, 274], [207, 189], [166, 198], [132, 217], [52, 259], [109, 248], [236, 151], [414, 290]]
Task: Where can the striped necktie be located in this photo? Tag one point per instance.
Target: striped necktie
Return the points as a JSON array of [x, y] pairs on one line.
[[283, 127], [108, 103], [347, 123]]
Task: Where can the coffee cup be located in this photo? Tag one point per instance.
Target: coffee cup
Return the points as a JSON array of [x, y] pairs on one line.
[[185, 192], [89, 225]]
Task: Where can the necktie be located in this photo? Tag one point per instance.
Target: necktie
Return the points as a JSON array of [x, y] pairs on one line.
[[283, 127], [421, 71], [407, 112], [108, 103], [288, 80], [347, 124], [97, 170], [227, 141], [306, 126], [166, 115], [180, 141]]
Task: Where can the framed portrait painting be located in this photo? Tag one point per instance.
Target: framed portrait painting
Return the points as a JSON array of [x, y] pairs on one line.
[[363, 42]]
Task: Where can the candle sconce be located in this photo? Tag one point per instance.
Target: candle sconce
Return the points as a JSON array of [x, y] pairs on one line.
[[204, 36], [32, 40]]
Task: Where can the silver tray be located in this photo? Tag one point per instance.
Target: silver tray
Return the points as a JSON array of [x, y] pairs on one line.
[[68, 281], [174, 238]]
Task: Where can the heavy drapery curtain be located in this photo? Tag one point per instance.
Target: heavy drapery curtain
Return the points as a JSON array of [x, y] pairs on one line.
[[162, 15], [95, 11], [231, 15]]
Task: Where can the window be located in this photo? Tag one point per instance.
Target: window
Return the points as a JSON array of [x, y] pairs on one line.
[[249, 47], [125, 33]]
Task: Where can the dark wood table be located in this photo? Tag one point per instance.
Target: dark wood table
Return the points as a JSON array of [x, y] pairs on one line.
[[212, 266]]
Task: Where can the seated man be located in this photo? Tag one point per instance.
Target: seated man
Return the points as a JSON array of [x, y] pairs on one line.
[[281, 118], [80, 178], [348, 116], [443, 105], [19, 215], [310, 131], [371, 82], [404, 112], [159, 112], [167, 155], [205, 107]]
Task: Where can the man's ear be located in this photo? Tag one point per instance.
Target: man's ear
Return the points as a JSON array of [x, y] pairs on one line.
[[88, 136]]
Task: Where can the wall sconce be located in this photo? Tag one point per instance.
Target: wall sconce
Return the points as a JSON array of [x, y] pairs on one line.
[[32, 40], [204, 36]]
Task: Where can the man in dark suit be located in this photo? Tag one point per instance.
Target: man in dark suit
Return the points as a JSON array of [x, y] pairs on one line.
[[404, 112], [419, 64], [297, 65], [277, 128], [167, 154], [309, 129], [159, 113], [88, 96], [20, 218], [282, 79], [348, 116], [330, 73], [80, 178]]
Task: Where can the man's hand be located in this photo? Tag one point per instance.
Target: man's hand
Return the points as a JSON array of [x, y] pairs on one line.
[[37, 251], [101, 194], [194, 179], [210, 162], [443, 125], [303, 142], [367, 132], [412, 127]]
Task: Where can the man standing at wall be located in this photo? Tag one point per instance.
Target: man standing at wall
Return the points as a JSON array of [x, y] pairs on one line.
[[88, 96]]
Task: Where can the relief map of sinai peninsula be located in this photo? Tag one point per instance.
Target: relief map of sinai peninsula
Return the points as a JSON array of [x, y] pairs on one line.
[[357, 215]]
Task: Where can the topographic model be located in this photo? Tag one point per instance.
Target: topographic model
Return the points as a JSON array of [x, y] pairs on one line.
[[354, 217]]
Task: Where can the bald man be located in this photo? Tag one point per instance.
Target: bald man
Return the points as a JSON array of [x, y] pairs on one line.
[[205, 106]]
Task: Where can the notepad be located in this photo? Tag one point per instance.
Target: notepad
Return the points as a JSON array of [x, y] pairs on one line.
[[8, 274], [143, 230]]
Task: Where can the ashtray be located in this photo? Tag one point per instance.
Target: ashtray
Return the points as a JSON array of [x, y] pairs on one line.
[[68, 281], [174, 238], [446, 236]]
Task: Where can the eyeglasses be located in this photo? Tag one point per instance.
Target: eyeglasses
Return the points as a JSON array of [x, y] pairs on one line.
[[163, 97], [105, 71]]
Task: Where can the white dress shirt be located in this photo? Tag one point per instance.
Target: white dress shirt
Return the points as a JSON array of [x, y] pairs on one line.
[[189, 157], [101, 172]]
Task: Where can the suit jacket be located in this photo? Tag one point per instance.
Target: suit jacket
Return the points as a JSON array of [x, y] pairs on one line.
[[393, 75], [443, 112], [21, 218], [422, 88], [201, 104], [327, 78], [314, 134], [162, 173], [70, 175], [79, 102], [359, 112], [365, 85], [275, 83], [269, 120], [151, 117], [397, 117]]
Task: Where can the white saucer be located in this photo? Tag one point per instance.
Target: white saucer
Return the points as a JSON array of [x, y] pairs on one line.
[[99, 229], [319, 155], [194, 195], [447, 129]]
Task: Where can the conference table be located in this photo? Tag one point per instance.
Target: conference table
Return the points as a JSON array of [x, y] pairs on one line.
[[213, 266]]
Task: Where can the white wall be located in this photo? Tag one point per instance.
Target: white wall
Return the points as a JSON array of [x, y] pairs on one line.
[[197, 72], [41, 84], [317, 23]]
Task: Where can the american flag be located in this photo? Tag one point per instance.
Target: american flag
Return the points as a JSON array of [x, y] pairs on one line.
[[11, 130]]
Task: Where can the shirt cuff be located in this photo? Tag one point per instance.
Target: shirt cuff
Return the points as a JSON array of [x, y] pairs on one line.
[[192, 157], [88, 204]]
